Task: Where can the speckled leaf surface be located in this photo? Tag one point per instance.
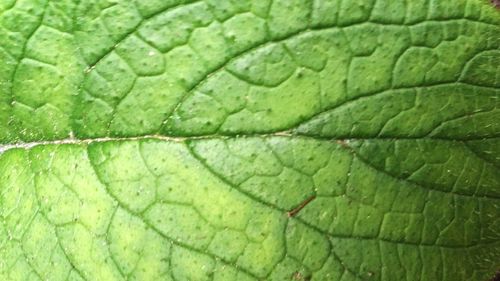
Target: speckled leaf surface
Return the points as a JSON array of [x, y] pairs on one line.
[[249, 140]]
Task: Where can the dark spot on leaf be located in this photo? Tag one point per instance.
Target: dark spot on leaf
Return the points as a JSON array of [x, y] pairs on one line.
[[496, 3]]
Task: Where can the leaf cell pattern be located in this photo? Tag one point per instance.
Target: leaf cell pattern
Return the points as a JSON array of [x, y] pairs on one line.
[[168, 140]]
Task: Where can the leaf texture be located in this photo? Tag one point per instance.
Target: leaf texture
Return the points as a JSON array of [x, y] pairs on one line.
[[249, 140]]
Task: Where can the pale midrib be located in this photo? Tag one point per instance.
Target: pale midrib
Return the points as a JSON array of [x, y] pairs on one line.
[[76, 141], [72, 140]]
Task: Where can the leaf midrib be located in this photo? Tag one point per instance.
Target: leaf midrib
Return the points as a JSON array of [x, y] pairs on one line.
[[285, 134], [177, 138]]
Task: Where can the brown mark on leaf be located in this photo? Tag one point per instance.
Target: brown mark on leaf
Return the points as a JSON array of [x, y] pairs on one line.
[[297, 209], [496, 3], [298, 276], [345, 143]]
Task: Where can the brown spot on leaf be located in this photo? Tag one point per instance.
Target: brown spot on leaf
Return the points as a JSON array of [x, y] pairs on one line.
[[295, 211], [496, 3], [299, 276], [344, 143]]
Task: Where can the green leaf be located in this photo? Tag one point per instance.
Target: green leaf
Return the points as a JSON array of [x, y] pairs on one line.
[[249, 140]]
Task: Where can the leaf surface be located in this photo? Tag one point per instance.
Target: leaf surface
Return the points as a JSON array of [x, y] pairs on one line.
[[249, 140]]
